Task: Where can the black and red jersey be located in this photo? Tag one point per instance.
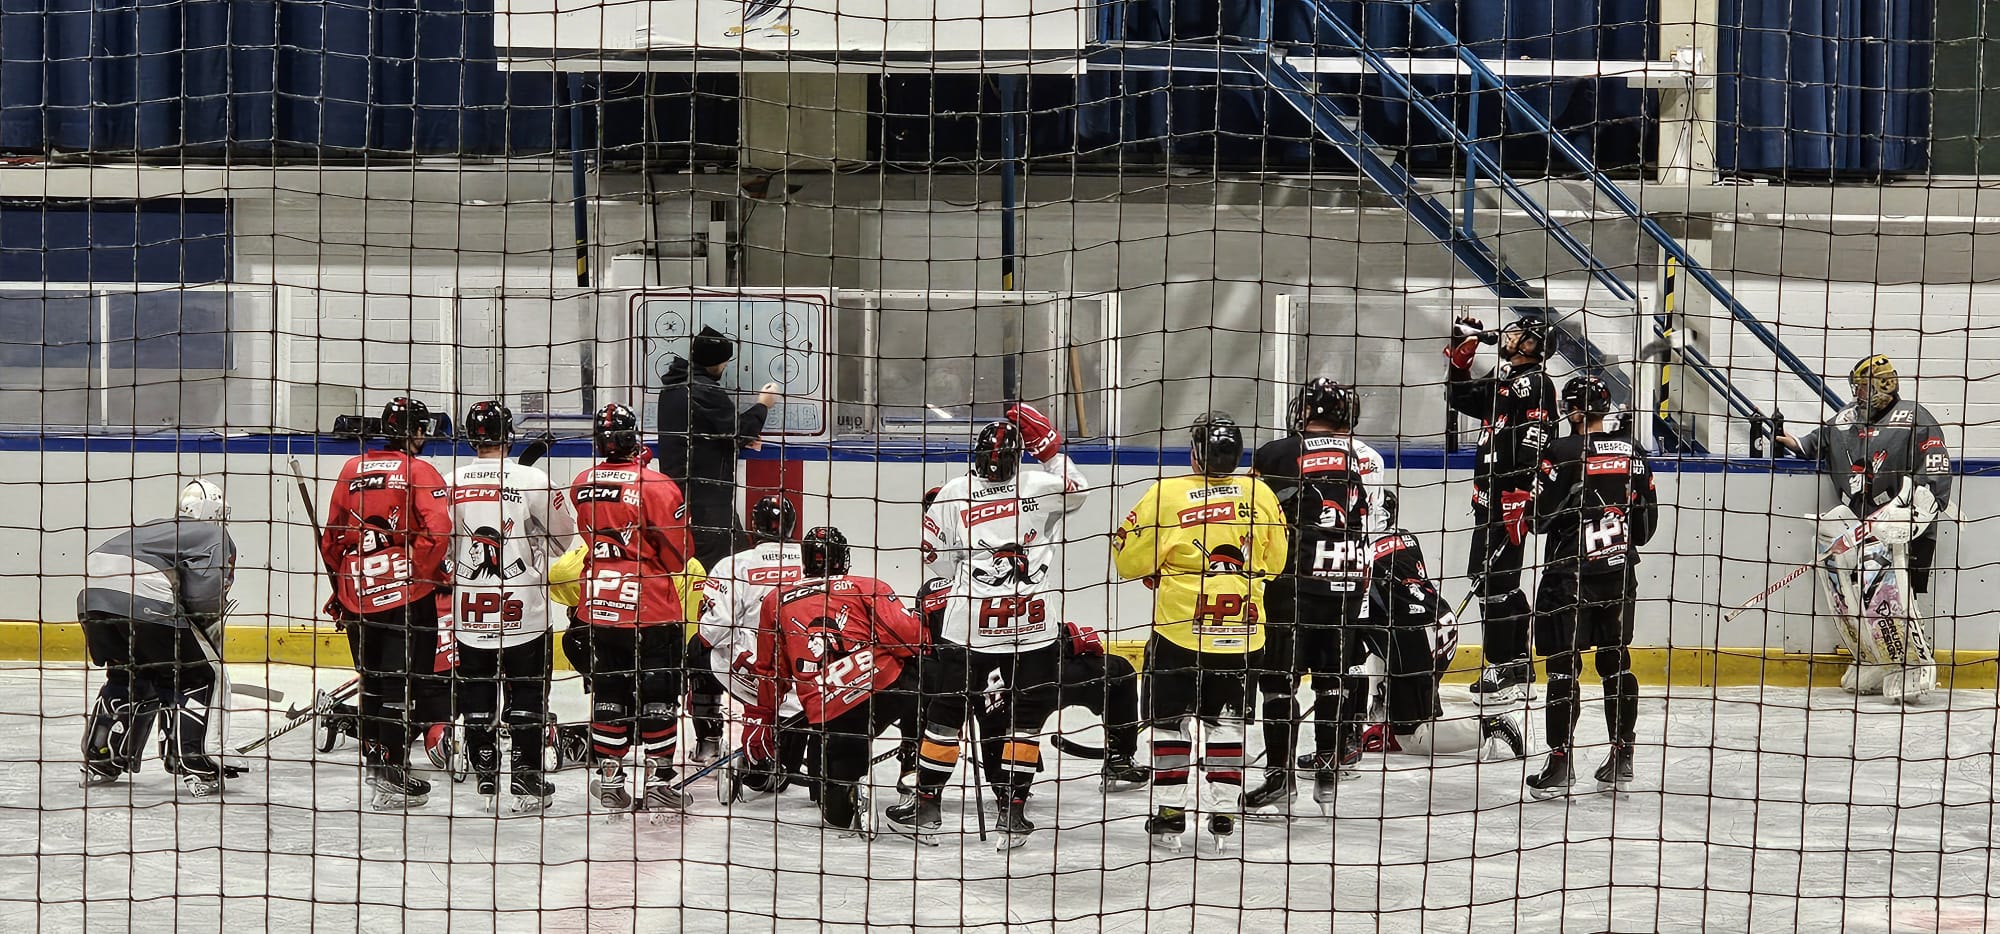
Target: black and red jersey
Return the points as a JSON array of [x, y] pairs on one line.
[[1594, 504]]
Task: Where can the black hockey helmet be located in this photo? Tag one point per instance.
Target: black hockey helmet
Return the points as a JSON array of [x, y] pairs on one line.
[[615, 433], [1216, 445], [996, 455], [1391, 503], [825, 552], [489, 422], [1586, 394], [406, 421], [773, 518], [1326, 399], [1530, 328], [930, 497]]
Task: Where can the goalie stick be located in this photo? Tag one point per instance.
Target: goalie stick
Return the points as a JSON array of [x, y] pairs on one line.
[[1847, 541]]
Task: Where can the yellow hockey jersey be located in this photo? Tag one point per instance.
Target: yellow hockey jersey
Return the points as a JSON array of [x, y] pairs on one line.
[[566, 570], [1205, 544]]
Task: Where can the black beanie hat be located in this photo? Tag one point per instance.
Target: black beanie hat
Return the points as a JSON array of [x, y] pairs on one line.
[[711, 348]]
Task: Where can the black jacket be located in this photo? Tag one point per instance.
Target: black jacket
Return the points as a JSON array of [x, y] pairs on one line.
[[700, 433]]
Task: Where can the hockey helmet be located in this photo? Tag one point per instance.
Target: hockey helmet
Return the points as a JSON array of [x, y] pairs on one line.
[[1326, 400], [930, 497], [825, 552], [406, 421], [773, 518], [615, 433], [1527, 329], [489, 422], [1216, 445], [202, 500], [1586, 394], [996, 456], [1875, 382]]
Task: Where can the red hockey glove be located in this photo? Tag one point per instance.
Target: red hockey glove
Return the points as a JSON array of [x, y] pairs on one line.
[[1465, 333], [1514, 513], [645, 454], [1039, 436], [1084, 640], [760, 739]]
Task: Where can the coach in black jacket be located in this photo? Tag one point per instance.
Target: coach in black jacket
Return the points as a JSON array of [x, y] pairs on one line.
[[700, 433]]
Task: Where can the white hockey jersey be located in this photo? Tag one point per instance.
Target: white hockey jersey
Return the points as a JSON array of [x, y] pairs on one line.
[[508, 524], [997, 544], [732, 603]]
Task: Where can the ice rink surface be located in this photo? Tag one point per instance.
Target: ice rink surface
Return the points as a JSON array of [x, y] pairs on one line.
[[1756, 810]]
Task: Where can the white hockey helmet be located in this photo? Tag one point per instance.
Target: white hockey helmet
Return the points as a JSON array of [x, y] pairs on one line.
[[202, 500]]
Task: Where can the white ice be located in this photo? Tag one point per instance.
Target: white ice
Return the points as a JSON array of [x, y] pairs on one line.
[[1757, 810]]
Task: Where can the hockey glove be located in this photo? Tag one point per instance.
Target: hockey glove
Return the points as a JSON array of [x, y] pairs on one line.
[[1084, 640], [1465, 335], [1514, 514], [760, 739], [1039, 436]]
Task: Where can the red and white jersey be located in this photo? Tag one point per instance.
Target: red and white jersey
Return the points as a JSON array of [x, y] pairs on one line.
[[834, 641], [634, 522], [509, 522], [387, 532], [997, 543], [732, 606]]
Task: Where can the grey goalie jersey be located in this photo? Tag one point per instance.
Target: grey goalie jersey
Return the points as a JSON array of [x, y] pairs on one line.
[[997, 542], [175, 572]]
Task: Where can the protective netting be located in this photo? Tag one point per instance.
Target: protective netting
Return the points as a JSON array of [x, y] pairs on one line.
[[1472, 285]]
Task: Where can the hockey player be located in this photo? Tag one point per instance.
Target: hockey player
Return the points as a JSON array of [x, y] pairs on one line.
[[731, 607], [1204, 543], [387, 534], [634, 524], [995, 534], [509, 522], [1594, 507], [152, 606], [1888, 461], [1106, 685], [1329, 484], [841, 645], [1411, 644], [1516, 405]]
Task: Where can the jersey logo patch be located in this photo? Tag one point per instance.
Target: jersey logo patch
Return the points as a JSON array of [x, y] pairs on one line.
[[1931, 444], [1323, 462], [784, 574], [988, 512], [1214, 512], [1601, 466], [381, 465]]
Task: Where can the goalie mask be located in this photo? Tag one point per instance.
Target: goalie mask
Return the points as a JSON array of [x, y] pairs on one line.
[[203, 502], [1875, 384]]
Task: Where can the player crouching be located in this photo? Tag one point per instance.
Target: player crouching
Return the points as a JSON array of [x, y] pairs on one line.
[[1204, 543], [152, 606], [730, 611], [843, 643]]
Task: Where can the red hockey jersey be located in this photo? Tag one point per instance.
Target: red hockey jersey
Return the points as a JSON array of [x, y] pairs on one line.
[[388, 530], [835, 641], [634, 524]]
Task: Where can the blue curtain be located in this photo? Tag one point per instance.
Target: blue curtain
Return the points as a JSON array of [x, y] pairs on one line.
[[303, 77], [1825, 88]]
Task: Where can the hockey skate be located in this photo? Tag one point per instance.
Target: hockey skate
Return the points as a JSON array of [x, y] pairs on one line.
[[1554, 779], [441, 745], [1329, 770], [662, 802], [1166, 826], [100, 772], [1909, 684], [572, 744], [608, 785], [202, 776], [1500, 738], [1271, 800], [486, 774], [1616, 773], [920, 816], [531, 790], [337, 723], [396, 789], [706, 751], [1011, 825], [1504, 684], [1120, 773], [1221, 828]]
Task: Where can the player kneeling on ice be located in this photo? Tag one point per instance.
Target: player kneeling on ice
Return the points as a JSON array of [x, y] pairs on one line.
[[152, 608], [731, 609], [634, 526], [1413, 652], [843, 643], [1204, 543], [1594, 507], [1887, 458], [508, 523]]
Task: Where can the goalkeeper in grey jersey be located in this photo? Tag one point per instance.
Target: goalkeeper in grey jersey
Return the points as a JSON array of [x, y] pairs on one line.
[[152, 606]]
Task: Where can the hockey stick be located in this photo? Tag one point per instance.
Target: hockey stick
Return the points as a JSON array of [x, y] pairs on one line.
[[1847, 541], [1080, 750], [978, 781], [297, 718], [536, 449], [792, 722], [312, 515]]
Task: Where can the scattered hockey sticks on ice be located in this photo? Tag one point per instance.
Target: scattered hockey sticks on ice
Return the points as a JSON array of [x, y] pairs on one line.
[[1847, 541], [295, 717]]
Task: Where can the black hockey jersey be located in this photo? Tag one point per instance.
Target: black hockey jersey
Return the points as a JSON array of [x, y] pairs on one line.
[[1594, 504], [1517, 407], [1330, 488]]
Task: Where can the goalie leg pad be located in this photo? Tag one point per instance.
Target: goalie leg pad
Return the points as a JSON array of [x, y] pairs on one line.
[[1442, 737], [117, 728]]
